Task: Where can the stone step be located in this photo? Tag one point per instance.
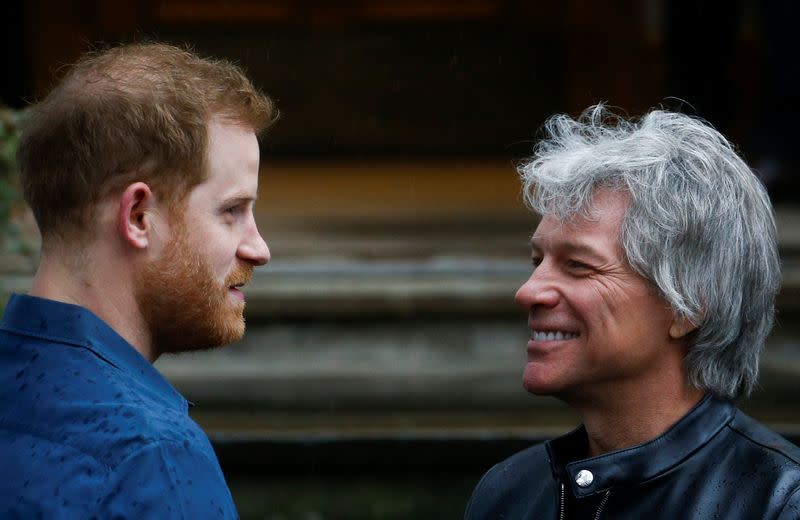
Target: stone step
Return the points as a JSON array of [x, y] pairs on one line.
[[449, 363]]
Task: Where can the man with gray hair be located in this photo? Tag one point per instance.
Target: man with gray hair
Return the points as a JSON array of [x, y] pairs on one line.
[[652, 294]]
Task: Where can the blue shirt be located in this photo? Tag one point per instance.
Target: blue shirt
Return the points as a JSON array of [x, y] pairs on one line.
[[89, 429]]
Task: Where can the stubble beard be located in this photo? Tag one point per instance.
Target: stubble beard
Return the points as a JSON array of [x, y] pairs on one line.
[[183, 305]]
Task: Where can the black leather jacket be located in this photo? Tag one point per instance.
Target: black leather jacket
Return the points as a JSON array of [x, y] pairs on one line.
[[716, 462]]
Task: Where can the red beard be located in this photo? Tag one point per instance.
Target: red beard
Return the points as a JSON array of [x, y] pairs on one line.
[[183, 305]]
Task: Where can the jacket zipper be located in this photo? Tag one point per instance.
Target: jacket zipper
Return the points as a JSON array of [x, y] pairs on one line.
[[561, 504], [601, 506]]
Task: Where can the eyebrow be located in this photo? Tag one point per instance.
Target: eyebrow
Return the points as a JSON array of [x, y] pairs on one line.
[[238, 199], [570, 247]]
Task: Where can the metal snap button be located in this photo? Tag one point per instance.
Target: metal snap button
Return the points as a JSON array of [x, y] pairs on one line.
[[584, 478]]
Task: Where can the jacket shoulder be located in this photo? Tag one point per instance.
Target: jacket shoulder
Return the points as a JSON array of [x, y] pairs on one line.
[[766, 440], [508, 484]]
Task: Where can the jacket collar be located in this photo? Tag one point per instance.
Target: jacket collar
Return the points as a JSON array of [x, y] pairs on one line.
[[642, 462], [77, 326]]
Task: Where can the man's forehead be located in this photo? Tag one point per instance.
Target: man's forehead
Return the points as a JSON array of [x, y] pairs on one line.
[[578, 235], [555, 228], [605, 206], [551, 239], [542, 235]]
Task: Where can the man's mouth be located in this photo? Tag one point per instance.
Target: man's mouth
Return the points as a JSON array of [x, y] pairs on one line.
[[235, 292], [238, 278], [552, 335]]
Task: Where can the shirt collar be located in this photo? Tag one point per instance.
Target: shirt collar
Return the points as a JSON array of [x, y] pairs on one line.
[[75, 325], [643, 462]]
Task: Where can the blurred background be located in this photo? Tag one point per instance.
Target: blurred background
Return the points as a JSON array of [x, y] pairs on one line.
[[380, 375]]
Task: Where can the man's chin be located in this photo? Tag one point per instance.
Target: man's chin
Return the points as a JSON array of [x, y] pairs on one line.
[[213, 330], [226, 331], [236, 333], [536, 388], [536, 382]]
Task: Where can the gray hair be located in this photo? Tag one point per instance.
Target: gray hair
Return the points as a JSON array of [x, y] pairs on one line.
[[699, 226]]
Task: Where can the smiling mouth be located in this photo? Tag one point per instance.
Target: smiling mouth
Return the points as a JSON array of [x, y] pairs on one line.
[[559, 335]]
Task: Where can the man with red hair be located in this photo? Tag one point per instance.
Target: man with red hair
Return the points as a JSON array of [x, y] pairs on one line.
[[141, 168]]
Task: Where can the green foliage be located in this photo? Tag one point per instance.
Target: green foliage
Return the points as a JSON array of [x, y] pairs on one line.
[[11, 122], [11, 238]]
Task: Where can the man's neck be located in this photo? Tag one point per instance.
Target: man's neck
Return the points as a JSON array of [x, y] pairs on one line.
[[101, 289], [623, 419]]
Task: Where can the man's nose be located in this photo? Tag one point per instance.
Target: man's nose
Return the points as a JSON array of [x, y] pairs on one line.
[[253, 248], [539, 290]]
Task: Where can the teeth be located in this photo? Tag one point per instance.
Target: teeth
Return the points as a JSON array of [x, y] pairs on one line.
[[553, 336]]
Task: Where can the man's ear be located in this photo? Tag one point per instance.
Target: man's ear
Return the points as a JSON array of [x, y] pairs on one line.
[[680, 327], [134, 221]]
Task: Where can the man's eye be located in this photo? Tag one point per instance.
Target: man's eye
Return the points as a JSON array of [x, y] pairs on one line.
[[575, 264], [536, 260], [232, 214]]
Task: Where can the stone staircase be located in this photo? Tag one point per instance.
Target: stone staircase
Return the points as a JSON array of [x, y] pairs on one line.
[[407, 329]]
